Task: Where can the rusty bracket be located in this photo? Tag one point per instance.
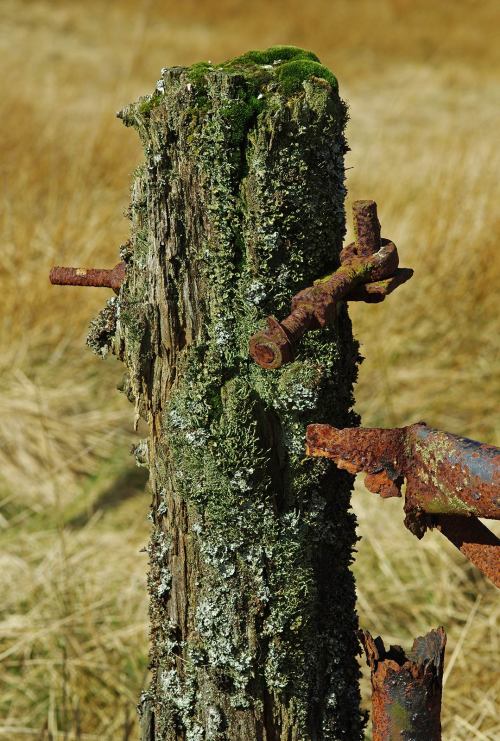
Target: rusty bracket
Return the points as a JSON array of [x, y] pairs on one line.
[[96, 277], [450, 480], [406, 687], [368, 272]]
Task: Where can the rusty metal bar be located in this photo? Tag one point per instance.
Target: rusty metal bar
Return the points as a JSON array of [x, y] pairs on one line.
[[451, 474], [368, 272], [450, 480], [445, 474], [406, 687], [474, 540], [96, 277]]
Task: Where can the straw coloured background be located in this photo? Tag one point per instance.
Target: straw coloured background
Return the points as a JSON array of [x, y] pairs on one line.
[[421, 80]]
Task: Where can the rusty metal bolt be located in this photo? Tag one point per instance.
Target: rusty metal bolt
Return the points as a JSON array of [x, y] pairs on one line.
[[96, 277], [368, 272], [275, 346]]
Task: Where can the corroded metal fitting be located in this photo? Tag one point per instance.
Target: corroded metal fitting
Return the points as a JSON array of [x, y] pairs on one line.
[[407, 687], [366, 227], [445, 474], [474, 541], [368, 272], [96, 277], [450, 480]]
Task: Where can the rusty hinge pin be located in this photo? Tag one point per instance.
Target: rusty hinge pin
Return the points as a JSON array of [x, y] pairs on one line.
[[366, 227], [368, 272], [96, 277], [407, 687]]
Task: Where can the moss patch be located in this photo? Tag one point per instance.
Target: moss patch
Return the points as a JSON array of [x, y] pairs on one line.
[[275, 54], [292, 75]]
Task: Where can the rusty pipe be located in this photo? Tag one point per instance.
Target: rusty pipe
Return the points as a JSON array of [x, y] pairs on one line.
[[445, 474], [450, 480], [406, 687]]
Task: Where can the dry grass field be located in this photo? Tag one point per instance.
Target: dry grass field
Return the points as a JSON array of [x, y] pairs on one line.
[[422, 82]]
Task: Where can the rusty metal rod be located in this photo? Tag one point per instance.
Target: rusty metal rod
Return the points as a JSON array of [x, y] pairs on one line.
[[406, 687], [96, 277], [366, 227], [368, 272]]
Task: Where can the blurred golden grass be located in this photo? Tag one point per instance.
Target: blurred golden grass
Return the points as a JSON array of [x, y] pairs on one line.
[[421, 80]]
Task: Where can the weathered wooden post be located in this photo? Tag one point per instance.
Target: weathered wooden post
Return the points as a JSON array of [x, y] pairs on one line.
[[239, 204]]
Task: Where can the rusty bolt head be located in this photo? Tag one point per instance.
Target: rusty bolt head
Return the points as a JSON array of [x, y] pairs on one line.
[[271, 348]]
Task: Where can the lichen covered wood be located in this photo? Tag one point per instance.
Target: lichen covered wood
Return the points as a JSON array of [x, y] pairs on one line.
[[239, 204]]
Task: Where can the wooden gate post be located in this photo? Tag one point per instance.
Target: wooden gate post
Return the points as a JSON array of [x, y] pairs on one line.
[[239, 204]]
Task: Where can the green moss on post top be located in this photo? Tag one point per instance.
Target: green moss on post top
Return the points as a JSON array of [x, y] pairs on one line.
[[239, 204], [293, 74], [273, 55], [279, 68]]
